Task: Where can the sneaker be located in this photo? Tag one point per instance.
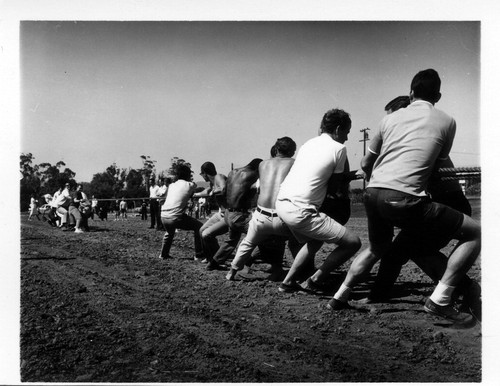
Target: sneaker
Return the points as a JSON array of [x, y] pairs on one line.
[[198, 259], [78, 230], [290, 288], [337, 305], [448, 312], [312, 287], [471, 301]]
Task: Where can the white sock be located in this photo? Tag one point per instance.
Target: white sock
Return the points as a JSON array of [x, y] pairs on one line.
[[442, 294], [343, 293]]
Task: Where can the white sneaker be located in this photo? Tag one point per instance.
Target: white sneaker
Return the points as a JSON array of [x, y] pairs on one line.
[[79, 230]]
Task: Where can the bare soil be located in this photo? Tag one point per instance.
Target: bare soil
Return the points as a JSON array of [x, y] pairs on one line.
[[101, 307]]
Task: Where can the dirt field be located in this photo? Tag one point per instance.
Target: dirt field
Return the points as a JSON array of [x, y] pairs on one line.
[[100, 307]]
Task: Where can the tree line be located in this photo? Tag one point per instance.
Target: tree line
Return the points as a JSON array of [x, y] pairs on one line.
[[114, 182]]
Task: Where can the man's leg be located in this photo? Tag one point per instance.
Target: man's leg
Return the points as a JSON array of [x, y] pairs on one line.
[[190, 224], [213, 227], [348, 245], [168, 238], [225, 250], [159, 224], [461, 259], [465, 253], [152, 212], [360, 267], [302, 260]]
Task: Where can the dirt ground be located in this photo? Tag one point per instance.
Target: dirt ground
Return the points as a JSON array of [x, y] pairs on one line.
[[100, 307]]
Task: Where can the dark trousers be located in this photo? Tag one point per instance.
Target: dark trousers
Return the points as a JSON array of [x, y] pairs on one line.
[[154, 209], [186, 223]]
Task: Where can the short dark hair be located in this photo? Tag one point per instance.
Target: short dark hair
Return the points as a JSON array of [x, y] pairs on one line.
[[285, 146], [273, 151], [208, 168], [398, 103], [254, 164], [426, 85], [183, 172], [334, 118]]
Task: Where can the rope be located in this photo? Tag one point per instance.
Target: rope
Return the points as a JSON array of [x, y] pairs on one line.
[[127, 199], [469, 173], [445, 174]]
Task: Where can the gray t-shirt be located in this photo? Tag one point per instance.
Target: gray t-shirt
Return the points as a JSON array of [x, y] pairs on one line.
[[408, 143]]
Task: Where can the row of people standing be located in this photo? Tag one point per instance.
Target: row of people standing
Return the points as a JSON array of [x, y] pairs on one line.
[[407, 149]]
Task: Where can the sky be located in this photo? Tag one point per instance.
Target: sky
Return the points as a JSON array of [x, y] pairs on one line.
[[94, 93], [91, 83]]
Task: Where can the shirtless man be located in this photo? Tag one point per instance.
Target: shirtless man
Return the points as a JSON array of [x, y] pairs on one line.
[[240, 190], [215, 225], [265, 221]]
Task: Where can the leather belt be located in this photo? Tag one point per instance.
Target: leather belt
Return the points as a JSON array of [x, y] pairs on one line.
[[266, 213]]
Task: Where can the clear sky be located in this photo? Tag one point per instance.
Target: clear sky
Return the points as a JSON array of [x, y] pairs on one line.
[[98, 92]]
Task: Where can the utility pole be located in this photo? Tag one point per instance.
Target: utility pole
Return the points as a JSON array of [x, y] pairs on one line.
[[365, 139]]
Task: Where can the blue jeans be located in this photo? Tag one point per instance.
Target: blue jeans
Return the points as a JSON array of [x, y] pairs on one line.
[[184, 222]]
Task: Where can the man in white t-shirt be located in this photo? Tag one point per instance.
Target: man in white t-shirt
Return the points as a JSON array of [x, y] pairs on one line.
[[301, 195], [154, 204], [173, 212]]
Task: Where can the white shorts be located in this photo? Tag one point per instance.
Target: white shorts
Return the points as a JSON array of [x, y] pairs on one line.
[[308, 224]]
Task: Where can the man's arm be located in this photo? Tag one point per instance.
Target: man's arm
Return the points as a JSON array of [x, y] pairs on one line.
[[204, 193], [367, 163]]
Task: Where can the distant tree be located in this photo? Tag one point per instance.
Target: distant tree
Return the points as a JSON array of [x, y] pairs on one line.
[[53, 177], [41, 179], [102, 185], [30, 181], [148, 169], [134, 186], [175, 162], [118, 175]]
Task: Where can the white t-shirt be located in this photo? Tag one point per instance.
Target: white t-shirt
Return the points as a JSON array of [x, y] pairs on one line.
[[177, 199], [153, 191], [316, 161]]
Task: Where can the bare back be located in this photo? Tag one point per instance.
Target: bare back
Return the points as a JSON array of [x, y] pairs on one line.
[[272, 172], [219, 190], [239, 187]]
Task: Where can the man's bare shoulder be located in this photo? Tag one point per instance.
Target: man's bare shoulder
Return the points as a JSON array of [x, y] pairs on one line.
[[276, 162], [220, 178]]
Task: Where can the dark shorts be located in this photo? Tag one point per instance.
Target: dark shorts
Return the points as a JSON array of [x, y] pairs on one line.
[[417, 216]]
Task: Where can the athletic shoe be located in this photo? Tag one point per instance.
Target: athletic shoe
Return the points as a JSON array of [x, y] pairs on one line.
[[290, 288], [310, 286], [78, 230], [337, 305], [448, 312], [471, 301]]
